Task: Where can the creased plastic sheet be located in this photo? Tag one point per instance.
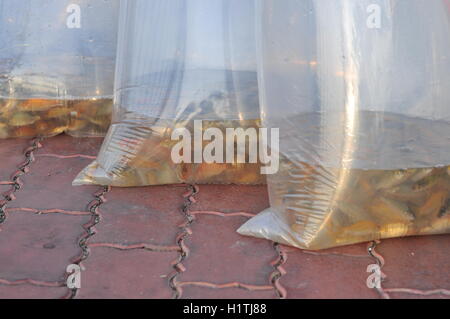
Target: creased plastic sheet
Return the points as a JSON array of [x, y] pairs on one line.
[[179, 62], [57, 61], [361, 93]]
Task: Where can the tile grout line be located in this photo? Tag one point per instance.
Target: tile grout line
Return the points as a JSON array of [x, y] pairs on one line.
[[89, 231], [279, 271], [16, 183], [143, 246], [9, 196], [384, 292], [46, 211], [184, 250], [380, 262], [235, 284], [32, 282], [220, 214], [419, 292], [274, 276], [68, 156]]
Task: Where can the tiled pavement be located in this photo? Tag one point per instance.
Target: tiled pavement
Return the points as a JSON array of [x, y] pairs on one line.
[[174, 241]]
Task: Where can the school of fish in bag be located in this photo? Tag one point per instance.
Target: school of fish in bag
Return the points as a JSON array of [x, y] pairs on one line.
[[179, 62], [57, 62], [361, 93]]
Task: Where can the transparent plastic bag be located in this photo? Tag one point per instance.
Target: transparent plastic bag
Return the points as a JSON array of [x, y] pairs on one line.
[[57, 61], [361, 93], [179, 61]]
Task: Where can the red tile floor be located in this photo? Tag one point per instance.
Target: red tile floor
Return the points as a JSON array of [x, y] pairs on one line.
[[175, 241]]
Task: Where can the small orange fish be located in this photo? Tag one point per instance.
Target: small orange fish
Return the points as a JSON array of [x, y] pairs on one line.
[[37, 105], [24, 131], [42, 127], [23, 119], [57, 112]]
